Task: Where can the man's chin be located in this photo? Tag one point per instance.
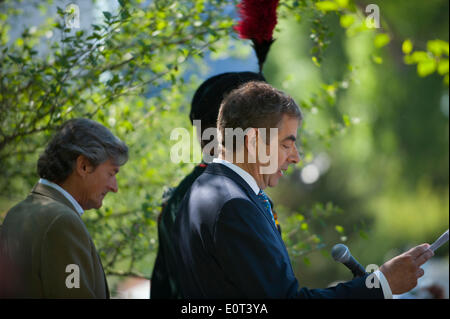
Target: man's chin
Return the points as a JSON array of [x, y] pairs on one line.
[[99, 205], [94, 205], [273, 182]]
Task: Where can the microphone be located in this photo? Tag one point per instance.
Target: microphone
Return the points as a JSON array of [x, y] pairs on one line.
[[341, 253]]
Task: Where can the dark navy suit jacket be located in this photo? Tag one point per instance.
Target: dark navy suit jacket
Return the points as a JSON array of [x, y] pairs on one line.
[[227, 246]]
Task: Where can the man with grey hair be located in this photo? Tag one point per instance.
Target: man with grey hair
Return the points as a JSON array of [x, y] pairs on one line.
[[44, 241]]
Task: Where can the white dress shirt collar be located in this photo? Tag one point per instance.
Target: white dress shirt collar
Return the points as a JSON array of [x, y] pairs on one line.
[[242, 173], [65, 193]]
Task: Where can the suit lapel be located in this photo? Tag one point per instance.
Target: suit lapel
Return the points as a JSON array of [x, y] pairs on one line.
[[219, 169]]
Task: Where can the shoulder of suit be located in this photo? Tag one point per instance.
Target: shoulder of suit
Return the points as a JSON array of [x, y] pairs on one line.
[[187, 181], [43, 214], [43, 209], [224, 185], [54, 206], [219, 191]]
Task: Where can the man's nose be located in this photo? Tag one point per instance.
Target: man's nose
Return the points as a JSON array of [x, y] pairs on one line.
[[113, 186], [295, 155]]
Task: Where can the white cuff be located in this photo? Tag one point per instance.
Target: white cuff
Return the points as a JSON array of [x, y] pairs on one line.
[[387, 292]]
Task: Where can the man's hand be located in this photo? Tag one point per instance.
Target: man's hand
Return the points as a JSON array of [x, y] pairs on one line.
[[403, 271]]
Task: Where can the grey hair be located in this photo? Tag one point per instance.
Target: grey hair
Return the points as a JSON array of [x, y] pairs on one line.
[[79, 137]]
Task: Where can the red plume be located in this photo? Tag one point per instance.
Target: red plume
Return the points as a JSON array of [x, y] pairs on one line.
[[259, 18]]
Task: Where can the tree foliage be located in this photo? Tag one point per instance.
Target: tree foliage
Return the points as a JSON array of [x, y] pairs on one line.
[[138, 49]]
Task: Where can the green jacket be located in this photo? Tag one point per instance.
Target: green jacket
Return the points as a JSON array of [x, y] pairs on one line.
[[40, 237]]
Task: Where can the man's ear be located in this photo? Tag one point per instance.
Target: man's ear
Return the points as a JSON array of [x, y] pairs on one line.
[[83, 166]]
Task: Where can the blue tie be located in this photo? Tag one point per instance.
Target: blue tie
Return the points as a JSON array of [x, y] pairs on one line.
[[265, 200]]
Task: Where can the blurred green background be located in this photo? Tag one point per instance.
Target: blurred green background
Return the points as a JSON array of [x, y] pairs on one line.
[[388, 170]]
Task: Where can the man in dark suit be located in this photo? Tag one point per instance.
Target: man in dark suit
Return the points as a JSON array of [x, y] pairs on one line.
[[45, 248], [226, 240], [204, 110]]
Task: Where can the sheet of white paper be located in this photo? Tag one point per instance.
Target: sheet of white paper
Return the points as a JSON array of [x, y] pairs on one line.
[[440, 241]]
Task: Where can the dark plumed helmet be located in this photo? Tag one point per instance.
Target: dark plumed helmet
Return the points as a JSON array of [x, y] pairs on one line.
[[208, 97], [258, 19]]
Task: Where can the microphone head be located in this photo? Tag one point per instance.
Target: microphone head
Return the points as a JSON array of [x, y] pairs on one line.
[[340, 253]]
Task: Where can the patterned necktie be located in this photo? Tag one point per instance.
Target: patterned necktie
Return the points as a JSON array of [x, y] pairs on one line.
[[265, 200]]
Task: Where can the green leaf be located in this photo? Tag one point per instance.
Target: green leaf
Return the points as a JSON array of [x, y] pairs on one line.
[[315, 61], [347, 20], [60, 11], [407, 46], [107, 15], [377, 59], [161, 24], [381, 40], [327, 6], [315, 239], [342, 3], [339, 229], [124, 14], [15, 59], [418, 56], [443, 66], [426, 67], [437, 47], [347, 123]]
